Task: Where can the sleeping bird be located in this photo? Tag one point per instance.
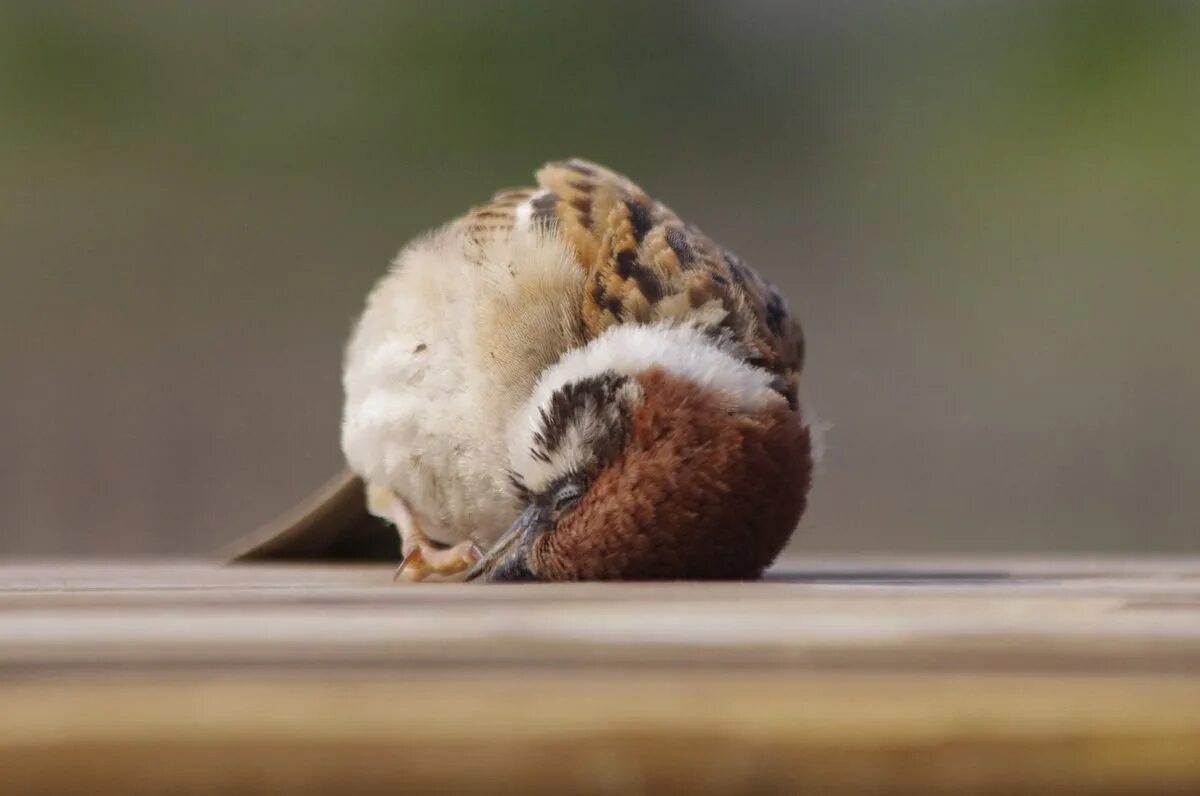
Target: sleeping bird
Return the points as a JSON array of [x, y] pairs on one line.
[[569, 382]]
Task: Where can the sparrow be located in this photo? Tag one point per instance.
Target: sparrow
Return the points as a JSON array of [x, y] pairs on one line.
[[567, 383]]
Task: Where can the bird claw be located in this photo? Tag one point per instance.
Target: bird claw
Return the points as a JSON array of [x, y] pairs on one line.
[[425, 560], [408, 559]]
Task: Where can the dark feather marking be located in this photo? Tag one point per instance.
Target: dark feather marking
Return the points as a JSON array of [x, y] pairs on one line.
[[788, 390], [517, 483], [543, 208], [639, 216], [776, 312], [678, 242], [736, 268], [648, 283], [603, 299], [626, 261], [584, 205]]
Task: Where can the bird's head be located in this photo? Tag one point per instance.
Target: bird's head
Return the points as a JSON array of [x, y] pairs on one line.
[[652, 453]]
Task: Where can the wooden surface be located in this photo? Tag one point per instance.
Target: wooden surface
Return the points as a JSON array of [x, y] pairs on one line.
[[834, 676]]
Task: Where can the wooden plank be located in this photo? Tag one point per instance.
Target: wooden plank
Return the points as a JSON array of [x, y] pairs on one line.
[[834, 676], [562, 734], [1142, 616]]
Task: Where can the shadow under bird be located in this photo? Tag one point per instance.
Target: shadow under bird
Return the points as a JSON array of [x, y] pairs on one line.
[[567, 383]]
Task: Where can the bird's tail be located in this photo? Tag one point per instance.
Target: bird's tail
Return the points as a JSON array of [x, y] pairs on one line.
[[331, 524]]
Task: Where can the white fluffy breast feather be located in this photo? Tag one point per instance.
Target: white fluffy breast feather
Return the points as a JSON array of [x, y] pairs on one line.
[[445, 352], [629, 350]]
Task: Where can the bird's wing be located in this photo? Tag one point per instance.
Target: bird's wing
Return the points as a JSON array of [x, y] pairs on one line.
[[645, 264], [492, 221]]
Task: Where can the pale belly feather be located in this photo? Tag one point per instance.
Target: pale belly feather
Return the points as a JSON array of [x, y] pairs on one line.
[[445, 352]]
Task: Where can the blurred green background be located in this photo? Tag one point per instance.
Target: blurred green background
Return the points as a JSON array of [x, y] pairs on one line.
[[986, 214]]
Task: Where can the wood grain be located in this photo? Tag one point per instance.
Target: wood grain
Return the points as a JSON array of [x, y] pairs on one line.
[[834, 676]]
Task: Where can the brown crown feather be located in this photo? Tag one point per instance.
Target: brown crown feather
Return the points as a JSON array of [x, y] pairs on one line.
[[700, 492]]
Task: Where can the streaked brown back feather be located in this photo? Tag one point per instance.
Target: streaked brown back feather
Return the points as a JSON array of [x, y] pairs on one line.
[[645, 264]]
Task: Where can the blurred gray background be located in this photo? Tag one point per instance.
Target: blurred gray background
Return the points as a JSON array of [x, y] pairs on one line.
[[987, 215]]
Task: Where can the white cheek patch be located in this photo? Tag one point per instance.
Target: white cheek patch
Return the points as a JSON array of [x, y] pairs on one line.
[[631, 349], [572, 455]]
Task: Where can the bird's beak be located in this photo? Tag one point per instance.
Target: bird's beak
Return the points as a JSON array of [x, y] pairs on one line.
[[508, 558]]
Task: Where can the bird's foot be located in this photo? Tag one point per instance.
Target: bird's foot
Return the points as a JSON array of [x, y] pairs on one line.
[[425, 560]]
